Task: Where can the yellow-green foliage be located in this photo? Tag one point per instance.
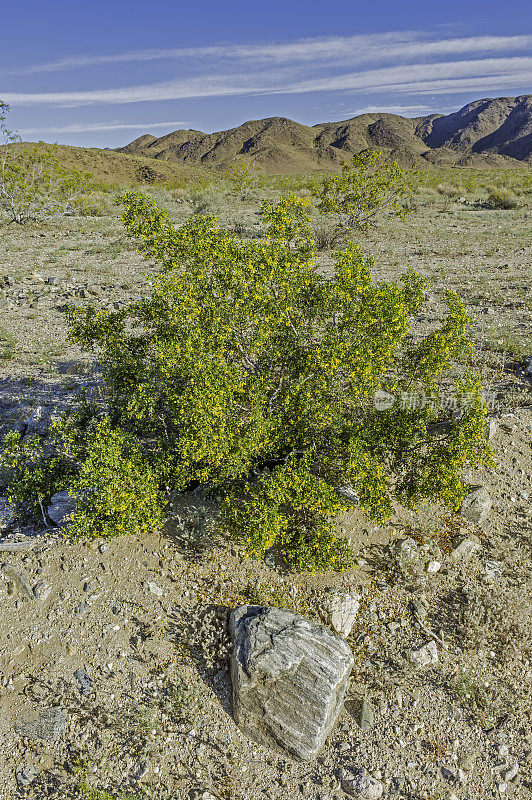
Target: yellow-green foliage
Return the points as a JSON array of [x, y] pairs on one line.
[[116, 490], [367, 189], [501, 197], [248, 370], [33, 183]]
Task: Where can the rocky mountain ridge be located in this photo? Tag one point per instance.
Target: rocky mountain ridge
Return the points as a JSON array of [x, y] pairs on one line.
[[490, 132]]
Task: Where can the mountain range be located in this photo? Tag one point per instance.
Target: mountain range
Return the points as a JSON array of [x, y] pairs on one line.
[[494, 132]]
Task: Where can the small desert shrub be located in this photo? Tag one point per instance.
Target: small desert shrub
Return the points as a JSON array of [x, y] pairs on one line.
[[94, 204], [499, 197], [248, 371], [448, 190], [367, 190], [34, 185], [326, 233]]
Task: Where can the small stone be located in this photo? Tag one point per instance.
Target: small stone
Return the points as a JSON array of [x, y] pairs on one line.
[[493, 569], [62, 507], [477, 505], [85, 683], [362, 786], [340, 611], [433, 566], [510, 773], [367, 715], [465, 548], [154, 589], [41, 590], [419, 608], [491, 429], [423, 656], [25, 774]]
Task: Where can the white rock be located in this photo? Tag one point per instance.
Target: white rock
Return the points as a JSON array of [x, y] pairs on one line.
[[362, 786], [510, 773], [433, 566], [477, 505], [423, 656], [340, 611], [154, 589], [466, 548]]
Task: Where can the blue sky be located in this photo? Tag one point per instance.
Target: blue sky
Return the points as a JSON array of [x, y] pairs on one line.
[[102, 73]]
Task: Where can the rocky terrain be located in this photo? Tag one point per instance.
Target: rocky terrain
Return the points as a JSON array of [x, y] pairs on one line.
[[490, 132], [115, 656]]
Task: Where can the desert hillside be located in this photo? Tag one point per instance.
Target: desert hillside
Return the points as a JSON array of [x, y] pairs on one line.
[[490, 132]]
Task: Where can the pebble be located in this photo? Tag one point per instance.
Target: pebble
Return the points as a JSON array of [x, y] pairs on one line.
[[362, 786], [154, 589], [423, 656]]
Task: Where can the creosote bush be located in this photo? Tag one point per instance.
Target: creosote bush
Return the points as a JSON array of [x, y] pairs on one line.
[[34, 185], [365, 190], [249, 372], [501, 197]]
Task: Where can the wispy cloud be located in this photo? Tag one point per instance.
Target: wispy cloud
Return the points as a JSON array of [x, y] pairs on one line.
[[482, 74], [338, 50], [92, 127]]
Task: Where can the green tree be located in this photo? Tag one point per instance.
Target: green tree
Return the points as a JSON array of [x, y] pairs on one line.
[[250, 372], [365, 190], [33, 183]]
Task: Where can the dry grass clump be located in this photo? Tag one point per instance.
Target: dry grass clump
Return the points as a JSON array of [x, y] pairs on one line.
[[501, 197], [448, 190]]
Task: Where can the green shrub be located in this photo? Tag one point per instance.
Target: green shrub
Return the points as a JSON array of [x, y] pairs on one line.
[[33, 183], [448, 190], [366, 190], [116, 491], [250, 372], [499, 197]]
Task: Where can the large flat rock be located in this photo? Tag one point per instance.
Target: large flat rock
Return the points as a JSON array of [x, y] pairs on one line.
[[290, 677]]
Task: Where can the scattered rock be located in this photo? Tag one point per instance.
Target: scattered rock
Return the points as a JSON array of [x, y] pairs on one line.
[[41, 590], [423, 656], [85, 683], [367, 715], [477, 505], [465, 548], [154, 589], [362, 786], [348, 493], [340, 611], [290, 677], [49, 725], [62, 507], [39, 421], [19, 580], [25, 774], [510, 773], [433, 567]]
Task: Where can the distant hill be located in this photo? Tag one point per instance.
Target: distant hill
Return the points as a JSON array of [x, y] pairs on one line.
[[111, 168], [493, 132]]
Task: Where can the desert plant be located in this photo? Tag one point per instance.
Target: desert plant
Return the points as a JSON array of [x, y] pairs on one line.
[[102, 467], [248, 371], [33, 183], [367, 189], [242, 178], [500, 197], [448, 190]]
